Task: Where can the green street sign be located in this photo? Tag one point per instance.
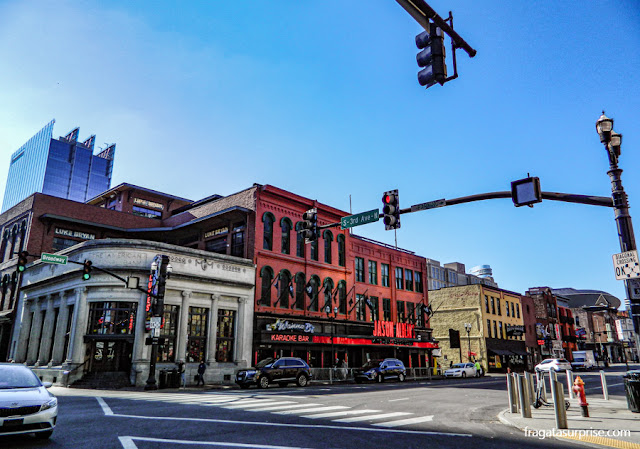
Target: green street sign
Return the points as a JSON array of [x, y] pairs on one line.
[[360, 219], [52, 258], [429, 205]]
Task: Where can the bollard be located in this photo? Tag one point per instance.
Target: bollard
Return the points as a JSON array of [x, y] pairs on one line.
[[523, 395], [578, 389], [529, 379], [543, 387], [512, 403], [570, 383], [514, 380], [605, 390], [558, 402]]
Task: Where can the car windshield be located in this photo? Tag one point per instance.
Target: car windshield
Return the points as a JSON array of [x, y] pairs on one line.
[[265, 362], [17, 377], [458, 365], [371, 364]]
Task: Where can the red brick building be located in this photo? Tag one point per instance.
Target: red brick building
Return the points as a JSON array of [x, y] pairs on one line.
[[567, 331]]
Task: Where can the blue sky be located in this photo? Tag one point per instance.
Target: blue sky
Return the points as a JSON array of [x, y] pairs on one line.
[[321, 98]]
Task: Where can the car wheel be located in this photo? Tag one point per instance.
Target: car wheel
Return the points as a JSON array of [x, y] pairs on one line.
[[264, 382], [302, 380], [379, 378], [44, 435], [401, 377], [464, 374]]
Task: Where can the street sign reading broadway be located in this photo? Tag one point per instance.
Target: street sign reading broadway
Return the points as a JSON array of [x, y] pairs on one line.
[[360, 219], [52, 258], [626, 265]]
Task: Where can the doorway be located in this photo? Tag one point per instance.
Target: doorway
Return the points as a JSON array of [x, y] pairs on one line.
[[110, 356]]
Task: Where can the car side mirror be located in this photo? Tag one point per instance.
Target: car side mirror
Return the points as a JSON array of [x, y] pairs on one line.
[[47, 384]]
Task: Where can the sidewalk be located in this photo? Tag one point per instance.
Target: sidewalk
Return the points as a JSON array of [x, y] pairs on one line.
[[610, 423]]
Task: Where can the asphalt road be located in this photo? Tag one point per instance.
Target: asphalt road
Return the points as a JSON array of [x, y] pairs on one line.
[[439, 414]]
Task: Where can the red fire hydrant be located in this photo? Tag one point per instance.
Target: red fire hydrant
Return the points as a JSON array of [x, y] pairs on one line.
[[578, 389]]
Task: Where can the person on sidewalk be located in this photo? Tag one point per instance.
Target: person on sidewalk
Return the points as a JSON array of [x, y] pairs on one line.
[[183, 377], [479, 369], [201, 369]]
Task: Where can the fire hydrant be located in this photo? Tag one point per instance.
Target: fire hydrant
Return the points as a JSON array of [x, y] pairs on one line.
[[578, 389]]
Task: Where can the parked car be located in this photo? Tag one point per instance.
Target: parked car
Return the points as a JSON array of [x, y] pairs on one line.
[[583, 360], [462, 370], [553, 364], [25, 404], [282, 371], [381, 370]]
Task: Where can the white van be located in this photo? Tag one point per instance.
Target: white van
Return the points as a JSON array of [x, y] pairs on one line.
[[583, 360]]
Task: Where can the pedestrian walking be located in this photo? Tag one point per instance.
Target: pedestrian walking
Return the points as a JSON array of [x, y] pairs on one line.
[[201, 369], [479, 370], [183, 377]]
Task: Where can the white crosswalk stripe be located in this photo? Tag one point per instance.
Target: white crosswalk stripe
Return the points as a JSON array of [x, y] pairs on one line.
[[311, 410], [282, 407], [342, 413], [405, 422], [254, 404], [372, 417]]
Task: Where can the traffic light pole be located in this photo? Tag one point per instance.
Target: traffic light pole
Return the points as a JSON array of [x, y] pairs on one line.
[[158, 309]]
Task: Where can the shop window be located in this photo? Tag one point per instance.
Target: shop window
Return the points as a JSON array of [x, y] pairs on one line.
[[267, 230], [285, 225], [399, 279], [341, 250], [384, 274], [169, 331], [266, 274], [359, 269], [225, 336], [328, 240], [409, 279], [112, 318], [373, 272], [197, 334], [237, 240]]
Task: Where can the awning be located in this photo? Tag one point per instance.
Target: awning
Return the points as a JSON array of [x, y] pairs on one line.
[[520, 352], [500, 351]]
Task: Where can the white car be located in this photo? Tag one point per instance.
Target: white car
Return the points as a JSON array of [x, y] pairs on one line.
[[554, 364], [25, 404], [462, 370]]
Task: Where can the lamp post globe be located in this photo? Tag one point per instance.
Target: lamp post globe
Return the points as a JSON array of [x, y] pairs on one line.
[[604, 126]]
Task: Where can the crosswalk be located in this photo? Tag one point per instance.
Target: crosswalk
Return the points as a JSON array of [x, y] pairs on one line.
[[277, 405]]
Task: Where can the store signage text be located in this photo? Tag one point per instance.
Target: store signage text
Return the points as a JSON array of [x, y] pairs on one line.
[[387, 329], [76, 234], [148, 203], [284, 325], [216, 232], [296, 338]]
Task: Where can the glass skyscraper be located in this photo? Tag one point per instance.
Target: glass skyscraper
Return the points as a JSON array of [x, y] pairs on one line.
[[60, 167]]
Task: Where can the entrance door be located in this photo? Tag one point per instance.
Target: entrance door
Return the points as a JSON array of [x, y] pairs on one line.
[[109, 356]]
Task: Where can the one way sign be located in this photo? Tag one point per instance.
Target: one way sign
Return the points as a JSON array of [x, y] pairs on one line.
[[626, 265]]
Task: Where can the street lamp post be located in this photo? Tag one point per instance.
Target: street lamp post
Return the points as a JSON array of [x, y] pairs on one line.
[[160, 269], [467, 327], [332, 317]]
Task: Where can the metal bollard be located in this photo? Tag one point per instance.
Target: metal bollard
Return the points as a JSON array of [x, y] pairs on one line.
[[570, 383], [513, 406], [529, 379], [514, 380], [558, 402], [523, 395], [605, 390]]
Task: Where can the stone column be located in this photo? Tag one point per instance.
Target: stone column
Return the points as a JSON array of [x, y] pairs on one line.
[[61, 330], [181, 351], [25, 330], [34, 335], [240, 328], [213, 328], [47, 333], [139, 343], [75, 354]]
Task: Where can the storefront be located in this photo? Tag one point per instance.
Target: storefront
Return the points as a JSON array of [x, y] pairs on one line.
[[507, 354], [320, 343]]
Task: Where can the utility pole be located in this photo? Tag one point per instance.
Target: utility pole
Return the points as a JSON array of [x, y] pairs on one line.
[[160, 269]]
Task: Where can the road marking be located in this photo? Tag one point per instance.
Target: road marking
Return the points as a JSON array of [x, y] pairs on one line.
[[405, 422], [260, 404], [282, 407], [127, 443], [311, 410], [105, 408], [342, 413], [400, 399], [372, 417]]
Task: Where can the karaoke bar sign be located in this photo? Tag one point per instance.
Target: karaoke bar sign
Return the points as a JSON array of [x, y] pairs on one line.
[[388, 329]]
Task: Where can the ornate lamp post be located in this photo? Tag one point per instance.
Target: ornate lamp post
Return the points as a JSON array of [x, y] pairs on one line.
[[467, 327]]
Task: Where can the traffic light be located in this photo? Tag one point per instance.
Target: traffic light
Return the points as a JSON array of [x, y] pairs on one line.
[[432, 57], [86, 270], [391, 209], [526, 192], [310, 225], [22, 260]]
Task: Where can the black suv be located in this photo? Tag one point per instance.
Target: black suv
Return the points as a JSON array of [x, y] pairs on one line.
[[282, 371], [379, 370]]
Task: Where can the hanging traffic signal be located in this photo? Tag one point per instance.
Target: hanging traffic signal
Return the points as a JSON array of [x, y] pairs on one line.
[[310, 225], [526, 192], [391, 209], [432, 57], [22, 260], [86, 270]]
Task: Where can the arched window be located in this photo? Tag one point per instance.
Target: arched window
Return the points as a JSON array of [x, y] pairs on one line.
[[328, 240], [341, 250], [342, 297], [314, 283], [3, 249], [266, 273], [286, 226], [299, 240], [13, 284], [285, 289], [268, 219], [300, 292], [314, 249], [327, 287], [21, 234], [4, 286], [14, 236]]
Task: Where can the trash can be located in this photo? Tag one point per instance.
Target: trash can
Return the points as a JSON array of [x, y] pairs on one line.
[[173, 379], [632, 390], [162, 381]]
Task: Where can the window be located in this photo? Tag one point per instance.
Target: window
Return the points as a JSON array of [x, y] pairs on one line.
[[267, 278], [488, 328], [361, 312], [399, 278], [512, 314], [401, 315], [409, 279], [359, 269], [328, 291], [112, 318], [418, 278], [284, 288], [299, 240], [237, 240], [328, 239], [374, 308], [314, 249], [314, 284], [495, 330], [197, 334], [342, 297], [149, 213], [386, 309], [500, 335], [341, 250], [267, 231], [486, 303], [411, 318], [285, 225], [373, 272], [506, 306], [498, 303], [59, 243], [300, 292], [384, 274], [493, 305], [169, 331], [225, 337], [218, 245]]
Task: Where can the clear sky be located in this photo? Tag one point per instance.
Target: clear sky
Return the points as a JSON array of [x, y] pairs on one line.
[[321, 98]]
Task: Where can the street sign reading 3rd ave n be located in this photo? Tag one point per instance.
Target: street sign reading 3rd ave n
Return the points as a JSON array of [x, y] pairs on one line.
[[626, 265], [360, 219]]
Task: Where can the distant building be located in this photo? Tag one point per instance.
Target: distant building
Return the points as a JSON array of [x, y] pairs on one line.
[[452, 275], [62, 167]]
